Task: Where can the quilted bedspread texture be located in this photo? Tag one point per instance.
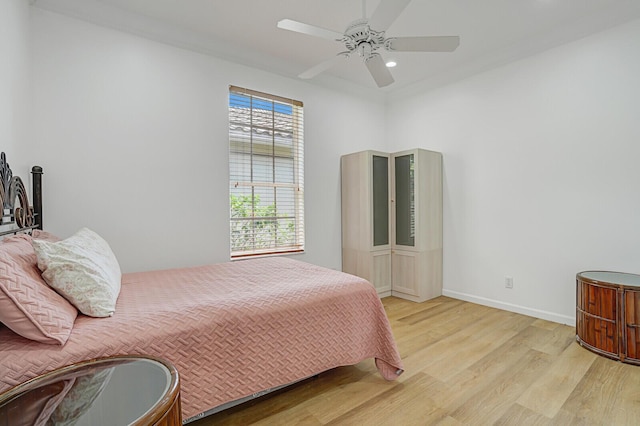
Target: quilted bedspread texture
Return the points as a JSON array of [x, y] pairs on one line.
[[231, 329]]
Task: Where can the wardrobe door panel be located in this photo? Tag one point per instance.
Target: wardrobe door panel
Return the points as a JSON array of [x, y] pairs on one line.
[[405, 273], [380, 200], [405, 200]]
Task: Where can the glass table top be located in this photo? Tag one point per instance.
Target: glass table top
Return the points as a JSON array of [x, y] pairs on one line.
[[620, 278], [115, 391]]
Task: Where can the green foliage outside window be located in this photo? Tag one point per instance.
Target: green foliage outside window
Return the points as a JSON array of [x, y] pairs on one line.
[[256, 226]]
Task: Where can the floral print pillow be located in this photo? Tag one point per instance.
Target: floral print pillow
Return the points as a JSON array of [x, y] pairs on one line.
[[83, 269]]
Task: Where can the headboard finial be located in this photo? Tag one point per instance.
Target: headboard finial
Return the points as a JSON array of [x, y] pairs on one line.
[[36, 172]]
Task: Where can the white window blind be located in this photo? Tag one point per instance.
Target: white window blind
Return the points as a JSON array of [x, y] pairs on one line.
[[266, 173]]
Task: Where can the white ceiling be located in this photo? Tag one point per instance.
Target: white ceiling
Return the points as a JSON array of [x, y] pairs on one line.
[[492, 32]]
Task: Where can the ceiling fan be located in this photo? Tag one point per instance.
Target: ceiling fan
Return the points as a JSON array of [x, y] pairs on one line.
[[365, 37]]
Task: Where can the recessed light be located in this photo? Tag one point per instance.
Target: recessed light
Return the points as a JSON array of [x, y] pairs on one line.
[[391, 64]]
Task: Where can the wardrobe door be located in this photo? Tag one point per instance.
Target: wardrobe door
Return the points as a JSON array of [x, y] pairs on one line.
[[366, 248], [380, 253], [416, 262], [404, 272]]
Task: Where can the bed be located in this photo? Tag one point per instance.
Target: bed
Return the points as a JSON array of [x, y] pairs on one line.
[[234, 330]]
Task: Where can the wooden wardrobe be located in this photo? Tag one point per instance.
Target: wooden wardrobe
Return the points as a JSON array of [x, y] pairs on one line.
[[392, 221]]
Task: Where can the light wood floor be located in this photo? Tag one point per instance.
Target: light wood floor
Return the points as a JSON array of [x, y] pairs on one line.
[[464, 364]]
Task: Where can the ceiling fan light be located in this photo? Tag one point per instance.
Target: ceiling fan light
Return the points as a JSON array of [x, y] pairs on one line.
[[391, 64]]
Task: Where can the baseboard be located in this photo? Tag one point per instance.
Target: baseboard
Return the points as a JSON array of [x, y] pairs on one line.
[[384, 294], [536, 313]]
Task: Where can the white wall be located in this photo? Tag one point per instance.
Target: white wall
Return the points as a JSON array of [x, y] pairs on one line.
[[541, 171], [15, 87], [133, 138], [539, 156]]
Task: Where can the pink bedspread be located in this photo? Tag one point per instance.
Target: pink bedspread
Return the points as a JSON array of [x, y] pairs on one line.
[[232, 329]]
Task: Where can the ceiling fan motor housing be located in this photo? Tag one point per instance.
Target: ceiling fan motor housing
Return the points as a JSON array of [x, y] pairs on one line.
[[359, 38]]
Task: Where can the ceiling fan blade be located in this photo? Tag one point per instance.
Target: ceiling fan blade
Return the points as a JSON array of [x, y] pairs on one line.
[[379, 70], [322, 66], [386, 13], [312, 30], [424, 44]]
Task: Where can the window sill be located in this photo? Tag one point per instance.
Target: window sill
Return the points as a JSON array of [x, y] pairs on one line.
[[266, 254]]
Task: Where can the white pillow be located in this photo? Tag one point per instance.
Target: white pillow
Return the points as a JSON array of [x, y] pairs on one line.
[[83, 269]]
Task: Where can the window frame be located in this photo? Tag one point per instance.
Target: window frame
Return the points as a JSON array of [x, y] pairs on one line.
[[251, 234]]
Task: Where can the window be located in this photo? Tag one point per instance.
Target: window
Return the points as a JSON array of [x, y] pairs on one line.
[[266, 174]]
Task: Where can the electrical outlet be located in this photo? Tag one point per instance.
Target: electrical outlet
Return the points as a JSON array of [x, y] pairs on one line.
[[508, 282]]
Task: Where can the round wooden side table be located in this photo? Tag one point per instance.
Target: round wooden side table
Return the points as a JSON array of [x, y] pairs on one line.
[[119, 390], [608, 314]]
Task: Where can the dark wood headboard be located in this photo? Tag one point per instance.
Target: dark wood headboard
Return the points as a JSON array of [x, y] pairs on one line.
[[17, 214]]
